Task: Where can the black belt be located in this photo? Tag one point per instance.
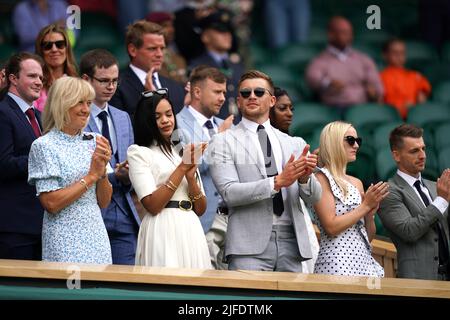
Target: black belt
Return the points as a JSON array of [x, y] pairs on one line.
[[182, 204], [222, 210]]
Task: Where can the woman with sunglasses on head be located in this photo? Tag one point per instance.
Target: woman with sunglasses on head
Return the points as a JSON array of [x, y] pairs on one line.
[[345, 212], [52, 44], [169, 187]]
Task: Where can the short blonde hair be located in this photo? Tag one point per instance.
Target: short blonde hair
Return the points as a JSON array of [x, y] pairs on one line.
[[64, 94], [332, 153]]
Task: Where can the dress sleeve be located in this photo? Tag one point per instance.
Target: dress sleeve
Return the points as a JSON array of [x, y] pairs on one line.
[[140, 160], [43, 168]]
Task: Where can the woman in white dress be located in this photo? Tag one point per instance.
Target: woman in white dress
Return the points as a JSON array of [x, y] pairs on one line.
[[345, 212], [168, 187]]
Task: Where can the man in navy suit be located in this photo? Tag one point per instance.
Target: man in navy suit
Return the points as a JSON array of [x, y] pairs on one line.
[[145, 46], [217, 38], [100, 68], [197, 123], [21, 213]]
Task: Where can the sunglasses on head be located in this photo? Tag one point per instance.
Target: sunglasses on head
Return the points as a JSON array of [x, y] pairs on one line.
[[351, 140], [259, 92], [48, 45], [160, 92]]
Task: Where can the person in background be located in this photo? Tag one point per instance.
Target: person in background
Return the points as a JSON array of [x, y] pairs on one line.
[[216, 35], [345, 212], [100, 68], [169, 187], [30, 16], [20, 124], [341, 75], [52, 44], [174, 65], [69, 172], [415, 213], [403, 88], [145, 46]]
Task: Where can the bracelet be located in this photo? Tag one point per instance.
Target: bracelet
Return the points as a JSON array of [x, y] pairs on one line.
[[196, 197], [170, 187], [84, 183]]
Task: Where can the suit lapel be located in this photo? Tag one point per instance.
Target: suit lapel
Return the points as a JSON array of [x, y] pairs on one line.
[[121, 135], [190, 123], [22, 117], [408, 190]]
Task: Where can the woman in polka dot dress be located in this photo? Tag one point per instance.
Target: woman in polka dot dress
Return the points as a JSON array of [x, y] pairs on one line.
[[345, 212]]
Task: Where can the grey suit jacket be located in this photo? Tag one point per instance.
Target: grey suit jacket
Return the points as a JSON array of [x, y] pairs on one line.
[[239, 174], [410, 226], [191, 132]]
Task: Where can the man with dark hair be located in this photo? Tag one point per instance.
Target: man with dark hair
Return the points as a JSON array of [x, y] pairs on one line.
[[145, 46], [261, 173], [100, 68], [197, 123], [21, 213], [415, 212]]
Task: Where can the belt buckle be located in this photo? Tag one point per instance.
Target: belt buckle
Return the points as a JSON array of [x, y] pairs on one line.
[[185, 205]]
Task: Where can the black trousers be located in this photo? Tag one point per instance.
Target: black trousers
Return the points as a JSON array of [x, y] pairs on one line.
[[20, 246]]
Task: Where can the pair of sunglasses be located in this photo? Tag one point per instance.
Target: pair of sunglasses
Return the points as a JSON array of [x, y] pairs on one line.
[[259, 92], [351, 140], [160, 92], [48, 45]]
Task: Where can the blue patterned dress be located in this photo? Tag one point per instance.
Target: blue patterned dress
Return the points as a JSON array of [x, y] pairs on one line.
[[77, 233]]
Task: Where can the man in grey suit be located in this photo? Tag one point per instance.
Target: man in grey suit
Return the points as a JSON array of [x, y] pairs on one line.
[[100, 68], [261, 173], [198, 122], [415, 212]]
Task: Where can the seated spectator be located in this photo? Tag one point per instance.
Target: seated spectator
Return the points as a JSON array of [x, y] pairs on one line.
[[217, 38], [30, 16], [403, 88], [174, 65], [345, 212], [69, 172], [341, 75], [169, 187], [53, 45]]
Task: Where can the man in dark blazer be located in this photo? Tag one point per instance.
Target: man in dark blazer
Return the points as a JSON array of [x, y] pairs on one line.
[[217, 37], [21, 213], [100, 68], [145, 46], [415, 212]]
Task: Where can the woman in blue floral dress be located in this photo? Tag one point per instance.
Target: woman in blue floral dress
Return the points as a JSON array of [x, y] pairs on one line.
[[68, 169]]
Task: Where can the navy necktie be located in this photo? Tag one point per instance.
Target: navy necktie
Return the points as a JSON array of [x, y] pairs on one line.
[[210, 127], [154, 81], [271, 167], [443, 246], [105, 128]]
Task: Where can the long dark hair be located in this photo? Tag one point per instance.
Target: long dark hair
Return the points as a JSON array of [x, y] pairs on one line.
[[146, 130]]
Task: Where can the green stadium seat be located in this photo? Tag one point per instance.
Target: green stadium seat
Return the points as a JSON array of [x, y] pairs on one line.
[[419, 54], [281, 75], [6, 51], [363, 168], [297, 56], [260, 55], [428, 115], [381, 135], [309, 117], [371, 115], [385, 165], [443, 159], [431, 167], [441, 93], [98, 37], [442, 136], [437, 72]]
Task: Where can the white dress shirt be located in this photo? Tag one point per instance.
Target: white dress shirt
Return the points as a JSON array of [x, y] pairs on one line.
[[142, 75], [201, 119]]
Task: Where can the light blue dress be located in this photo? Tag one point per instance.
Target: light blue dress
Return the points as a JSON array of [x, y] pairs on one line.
[[77, 233]]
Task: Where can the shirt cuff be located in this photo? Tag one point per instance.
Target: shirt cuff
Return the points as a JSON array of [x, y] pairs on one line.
[[272, 186], [441, 204]]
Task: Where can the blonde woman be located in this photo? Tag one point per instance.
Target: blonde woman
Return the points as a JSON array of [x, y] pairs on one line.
[[345, 212], [69, 171]]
